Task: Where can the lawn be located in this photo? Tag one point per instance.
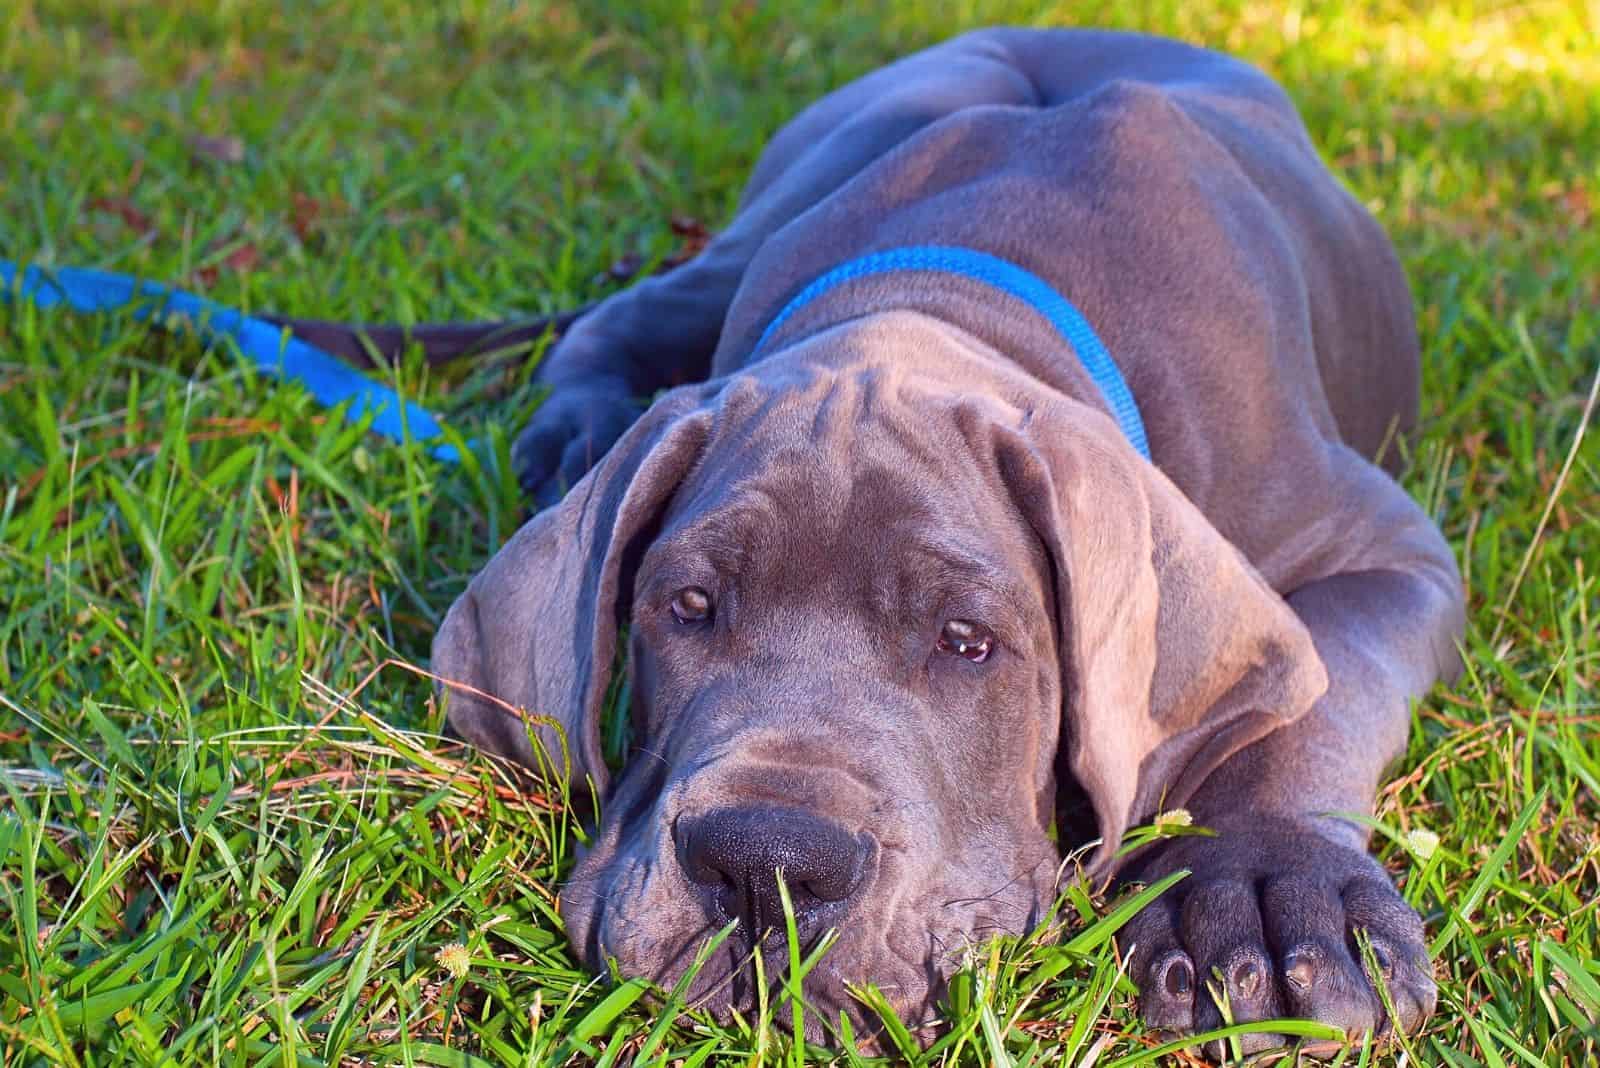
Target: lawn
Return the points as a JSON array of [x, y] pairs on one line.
[[228, 831]]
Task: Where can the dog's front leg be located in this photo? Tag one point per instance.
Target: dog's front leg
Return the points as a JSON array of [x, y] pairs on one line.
[[1266, 923]]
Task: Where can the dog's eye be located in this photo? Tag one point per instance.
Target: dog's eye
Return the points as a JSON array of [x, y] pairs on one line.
[[966, 639], [691, 605]]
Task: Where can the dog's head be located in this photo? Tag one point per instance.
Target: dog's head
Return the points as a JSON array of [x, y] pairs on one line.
[[889, 604]]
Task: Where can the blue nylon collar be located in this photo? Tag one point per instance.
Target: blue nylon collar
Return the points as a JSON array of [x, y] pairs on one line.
[[1010, 279], [272, 349]]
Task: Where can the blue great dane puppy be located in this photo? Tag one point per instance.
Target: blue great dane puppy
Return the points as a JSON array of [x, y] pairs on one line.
[[1016, 479]]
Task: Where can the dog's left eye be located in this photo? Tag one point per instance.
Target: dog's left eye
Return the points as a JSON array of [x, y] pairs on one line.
[[691, 605], [966, 639]]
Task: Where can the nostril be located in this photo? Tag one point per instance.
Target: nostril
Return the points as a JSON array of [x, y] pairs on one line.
[[727, 895], [835, 878]]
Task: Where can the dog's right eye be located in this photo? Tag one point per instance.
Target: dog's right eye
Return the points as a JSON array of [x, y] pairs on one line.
[[691, 605], [966, 639]]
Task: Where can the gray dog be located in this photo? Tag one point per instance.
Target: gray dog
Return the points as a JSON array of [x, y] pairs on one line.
[[1015, 480]]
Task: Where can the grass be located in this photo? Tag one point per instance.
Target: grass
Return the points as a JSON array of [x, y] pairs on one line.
[[196, 567]]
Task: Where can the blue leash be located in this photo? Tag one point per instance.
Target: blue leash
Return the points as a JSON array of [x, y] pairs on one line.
[[272, 348], [1007, 277]]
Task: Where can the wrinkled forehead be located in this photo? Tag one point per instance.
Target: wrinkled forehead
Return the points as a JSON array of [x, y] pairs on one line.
[[858, 476]]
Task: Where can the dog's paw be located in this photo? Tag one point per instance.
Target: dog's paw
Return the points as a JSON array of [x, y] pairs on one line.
[[568, 435], [1264, 927]]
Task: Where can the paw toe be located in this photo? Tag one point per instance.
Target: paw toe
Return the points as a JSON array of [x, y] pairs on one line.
[[1319, 978], [1321, 982], [1396, 936], [1241, 990], [1167, 1002], [1221, 928], [1162, 970]]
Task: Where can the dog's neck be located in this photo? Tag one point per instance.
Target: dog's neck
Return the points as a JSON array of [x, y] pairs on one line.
[[990, 324], [1010, 282]]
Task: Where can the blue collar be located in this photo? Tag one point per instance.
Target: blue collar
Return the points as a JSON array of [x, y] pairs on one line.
[[1010, 279]]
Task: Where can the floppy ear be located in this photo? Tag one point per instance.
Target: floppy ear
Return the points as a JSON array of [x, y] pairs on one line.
[[1175, 653], [536, 629]]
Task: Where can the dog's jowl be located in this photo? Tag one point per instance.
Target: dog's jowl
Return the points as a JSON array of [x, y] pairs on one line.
[[1031, 462]]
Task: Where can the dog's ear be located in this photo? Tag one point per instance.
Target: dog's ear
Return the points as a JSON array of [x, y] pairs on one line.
[[536, 629], [1175, 653]]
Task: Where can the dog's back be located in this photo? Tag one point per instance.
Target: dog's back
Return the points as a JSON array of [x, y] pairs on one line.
[[1360, 306], [1173, 195]]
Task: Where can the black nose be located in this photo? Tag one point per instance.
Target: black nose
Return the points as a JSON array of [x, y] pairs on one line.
[[737, 852]]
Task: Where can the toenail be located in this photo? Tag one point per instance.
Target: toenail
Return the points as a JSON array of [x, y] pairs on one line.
[[1247, 978], [1300, 967], [1179, 977]]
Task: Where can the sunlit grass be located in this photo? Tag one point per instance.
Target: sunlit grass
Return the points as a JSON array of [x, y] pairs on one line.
[[197, 568]]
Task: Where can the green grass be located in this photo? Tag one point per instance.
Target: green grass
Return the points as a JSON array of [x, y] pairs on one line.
[[197, 568]]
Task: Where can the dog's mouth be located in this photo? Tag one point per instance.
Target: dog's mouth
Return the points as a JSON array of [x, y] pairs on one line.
[[750, 981], [746, 972], [744, 898], [721, 891]]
